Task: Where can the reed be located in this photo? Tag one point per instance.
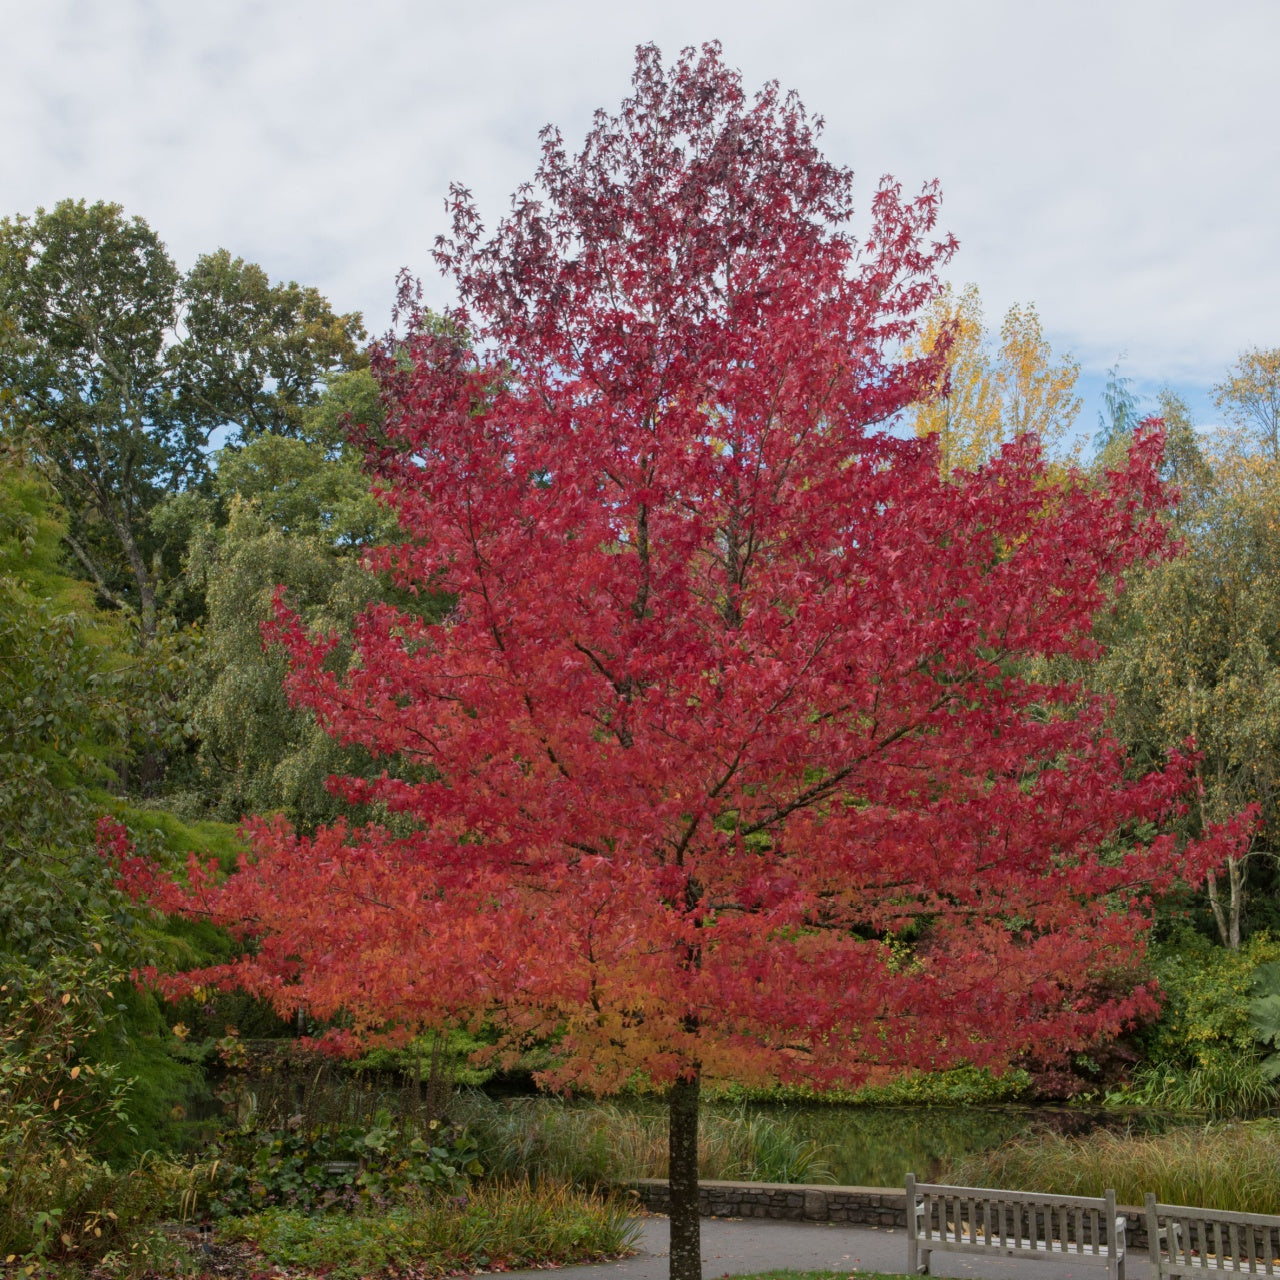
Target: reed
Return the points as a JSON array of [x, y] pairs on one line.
[[1233, 1166], [1220, 1086]]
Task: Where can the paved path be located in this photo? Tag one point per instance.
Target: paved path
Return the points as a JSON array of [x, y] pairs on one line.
[[739, 1246]]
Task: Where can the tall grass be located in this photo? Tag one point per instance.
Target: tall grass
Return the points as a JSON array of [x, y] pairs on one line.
[[1219, 1166], [602, 1143], [1218, 1086], [71, 1207], [498, 1226]]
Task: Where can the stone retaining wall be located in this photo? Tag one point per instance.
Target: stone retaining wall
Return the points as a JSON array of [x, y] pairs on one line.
[[818, 1202], [807, 1202]]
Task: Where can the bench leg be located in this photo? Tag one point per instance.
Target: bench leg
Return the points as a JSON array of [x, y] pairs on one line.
[[917, 1258]]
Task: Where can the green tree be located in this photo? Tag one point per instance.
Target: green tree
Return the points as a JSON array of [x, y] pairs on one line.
[[1119, 417], [65, 928], [1186, 465], [117, 369], [300, 515], [90, 298], [60, 723], [255, 355], [1197, 647]]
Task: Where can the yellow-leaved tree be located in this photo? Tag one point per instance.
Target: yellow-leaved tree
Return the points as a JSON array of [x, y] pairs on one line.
[[991, 393], [1251, 396]]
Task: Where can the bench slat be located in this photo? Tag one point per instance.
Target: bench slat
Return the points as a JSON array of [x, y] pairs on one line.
[[1010, 1197]]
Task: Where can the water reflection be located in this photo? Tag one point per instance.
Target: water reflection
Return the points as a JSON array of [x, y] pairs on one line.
[[878, 1146]]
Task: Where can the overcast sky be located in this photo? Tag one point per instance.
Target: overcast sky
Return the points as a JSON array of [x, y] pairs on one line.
[[1116, 162]]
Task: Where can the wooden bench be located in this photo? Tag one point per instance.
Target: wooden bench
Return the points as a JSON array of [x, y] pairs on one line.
[[1012, 1223], [1184, 1241]]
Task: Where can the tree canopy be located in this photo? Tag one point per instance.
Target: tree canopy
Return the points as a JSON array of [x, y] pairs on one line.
[[1251, 396], [726, 759], [117, 369], [1196, 657]]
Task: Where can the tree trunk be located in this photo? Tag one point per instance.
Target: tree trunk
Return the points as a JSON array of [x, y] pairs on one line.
[[1228, 920], [682, 1176]]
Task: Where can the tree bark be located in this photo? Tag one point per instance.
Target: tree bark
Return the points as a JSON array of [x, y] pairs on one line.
[[682, 1178], [1228, 921]]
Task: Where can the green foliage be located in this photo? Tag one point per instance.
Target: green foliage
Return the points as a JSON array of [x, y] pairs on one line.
[[117, 401], [1207, 990], [878, 1146], [1218, 1087], [58, 1199], [49, 1096], [445, 1055], [63, 717], [58, 893], [1195, 652], [1203, 1054], [352, 397], [299, 514], [255, 355], [173, 837], [1250, 394], [1121, 417], [961, 1086], [1220, 1166], [71, 1208], [1264, 1016], [31, 549], [92, 296], [135, 1042], [340, 1167], [309, 486], [495, 1228], [60, 720]]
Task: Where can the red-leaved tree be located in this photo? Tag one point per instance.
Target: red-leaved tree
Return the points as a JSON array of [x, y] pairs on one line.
[[734, 757]]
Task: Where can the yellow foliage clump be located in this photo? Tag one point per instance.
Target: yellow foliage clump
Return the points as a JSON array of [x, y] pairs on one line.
[[984, 397]]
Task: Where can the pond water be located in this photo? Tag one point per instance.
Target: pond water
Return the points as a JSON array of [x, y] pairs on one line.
[[878, 1146], [855, 1145]]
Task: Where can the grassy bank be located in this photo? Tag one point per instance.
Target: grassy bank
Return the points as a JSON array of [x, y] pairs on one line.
[[495, 1226], [1219, 1166]]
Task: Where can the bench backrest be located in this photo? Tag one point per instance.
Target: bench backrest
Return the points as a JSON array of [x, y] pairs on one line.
[[1188, 1238], [1012, 1219]]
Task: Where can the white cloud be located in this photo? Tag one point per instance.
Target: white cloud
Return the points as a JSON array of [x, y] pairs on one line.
[[1116, 162]]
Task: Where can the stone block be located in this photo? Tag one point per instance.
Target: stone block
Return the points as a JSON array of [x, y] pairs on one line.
[[816, 1208]]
